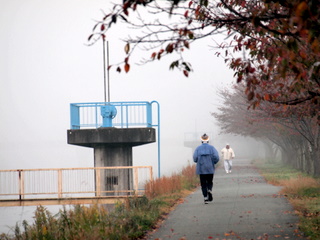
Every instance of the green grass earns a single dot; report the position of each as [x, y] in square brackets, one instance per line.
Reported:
[276, 172]
[310, 192]
[302, 191]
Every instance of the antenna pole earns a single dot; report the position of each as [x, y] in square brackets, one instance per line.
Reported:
[104, 69]
[108, 71]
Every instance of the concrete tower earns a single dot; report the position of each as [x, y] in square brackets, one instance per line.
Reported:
[112, 130]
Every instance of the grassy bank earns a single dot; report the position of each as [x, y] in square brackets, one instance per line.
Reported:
[302, 191]
[129, 220]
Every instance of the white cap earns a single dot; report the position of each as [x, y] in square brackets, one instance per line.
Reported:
[204, 138]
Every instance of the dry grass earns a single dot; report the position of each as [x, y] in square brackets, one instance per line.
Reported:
[294, 186]
[189, 171]
[187, 179]
[163, 185]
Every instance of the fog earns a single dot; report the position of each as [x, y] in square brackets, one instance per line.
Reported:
[45, 65]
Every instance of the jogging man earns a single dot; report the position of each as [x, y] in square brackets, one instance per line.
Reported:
[206, 156]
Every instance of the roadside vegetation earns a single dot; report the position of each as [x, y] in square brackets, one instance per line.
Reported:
[136, 216]
[131, 219]
[302, 190]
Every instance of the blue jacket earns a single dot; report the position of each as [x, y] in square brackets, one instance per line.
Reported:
[206, 156]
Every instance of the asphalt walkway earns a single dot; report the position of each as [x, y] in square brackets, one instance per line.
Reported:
[244, 207]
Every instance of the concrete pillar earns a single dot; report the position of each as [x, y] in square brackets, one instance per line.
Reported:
[105, 156]
[118, 179]
[113, 147]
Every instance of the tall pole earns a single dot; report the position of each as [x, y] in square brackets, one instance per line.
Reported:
[104, 70]
[108, 71]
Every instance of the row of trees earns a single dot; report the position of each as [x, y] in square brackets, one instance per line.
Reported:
[296, 137]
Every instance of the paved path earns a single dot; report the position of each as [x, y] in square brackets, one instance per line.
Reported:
[244, 207]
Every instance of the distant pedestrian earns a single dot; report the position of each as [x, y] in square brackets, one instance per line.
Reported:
[227, 155]
[206, 156]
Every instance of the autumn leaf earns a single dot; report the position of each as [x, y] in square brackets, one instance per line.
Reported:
[114, 18]
[267, 97]
[301, 8]
[239, 79]
[153, 55]
[159, 54]
[169, 48]
[126, 67]
[127, 48]
[174, 64]
[186, 44]
[186, 66]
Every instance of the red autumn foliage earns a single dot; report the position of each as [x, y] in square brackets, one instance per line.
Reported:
[280, 41]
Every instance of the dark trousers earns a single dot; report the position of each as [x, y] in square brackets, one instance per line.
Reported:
[206, 181]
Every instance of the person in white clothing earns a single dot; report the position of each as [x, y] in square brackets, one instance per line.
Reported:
[227, 155]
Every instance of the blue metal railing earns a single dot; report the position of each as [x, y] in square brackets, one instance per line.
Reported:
[128, 114]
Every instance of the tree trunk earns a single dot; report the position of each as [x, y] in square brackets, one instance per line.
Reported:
[315, 155]
[270, 153]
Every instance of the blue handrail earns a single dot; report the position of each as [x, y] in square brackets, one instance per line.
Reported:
[129, 114]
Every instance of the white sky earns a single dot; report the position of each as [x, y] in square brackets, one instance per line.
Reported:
[45, 65]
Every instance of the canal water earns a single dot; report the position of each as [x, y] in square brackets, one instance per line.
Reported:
[10, 216]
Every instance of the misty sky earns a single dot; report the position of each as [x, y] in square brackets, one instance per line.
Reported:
[45, 65]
